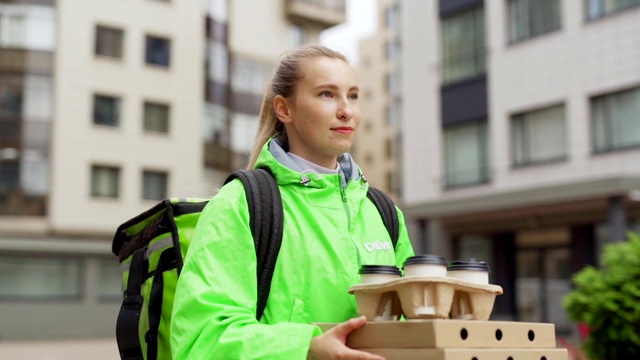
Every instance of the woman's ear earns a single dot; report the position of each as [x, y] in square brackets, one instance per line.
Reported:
[282, 109]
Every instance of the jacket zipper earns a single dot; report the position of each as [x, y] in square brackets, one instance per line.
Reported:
[347, 210]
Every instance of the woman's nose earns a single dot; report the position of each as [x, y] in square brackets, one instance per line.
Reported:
[345, 111]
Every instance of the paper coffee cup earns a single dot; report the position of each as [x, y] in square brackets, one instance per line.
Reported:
[425, 265]
[376, 274]
[473, 271]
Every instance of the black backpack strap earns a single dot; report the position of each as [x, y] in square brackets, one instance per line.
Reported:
[388, 211]
[166, 262]
[129, 316]
[266, 221]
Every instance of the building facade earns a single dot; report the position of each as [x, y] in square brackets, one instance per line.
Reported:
[106, 108]
[521, 133]
[241, 61]
[377, 147]
[100, 107]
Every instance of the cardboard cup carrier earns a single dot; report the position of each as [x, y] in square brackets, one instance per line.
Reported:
[447, 307]
[431, 288]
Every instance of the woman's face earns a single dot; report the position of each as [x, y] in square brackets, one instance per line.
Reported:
[323, 114]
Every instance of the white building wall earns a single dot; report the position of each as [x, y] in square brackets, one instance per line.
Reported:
[78, 143]
[421, 101]
[582, 59]
[568, 66]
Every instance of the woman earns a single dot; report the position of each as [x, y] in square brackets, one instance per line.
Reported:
[308, 119]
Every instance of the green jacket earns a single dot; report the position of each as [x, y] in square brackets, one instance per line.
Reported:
[328, 233]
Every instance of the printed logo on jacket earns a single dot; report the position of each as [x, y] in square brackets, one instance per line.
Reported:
[377, 246]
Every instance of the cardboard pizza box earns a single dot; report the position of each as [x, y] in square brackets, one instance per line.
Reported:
[471, 354]
[448, 333]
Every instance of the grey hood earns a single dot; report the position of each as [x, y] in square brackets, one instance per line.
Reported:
[348, 168]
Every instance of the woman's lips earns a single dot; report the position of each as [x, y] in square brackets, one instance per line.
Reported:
[343, 130]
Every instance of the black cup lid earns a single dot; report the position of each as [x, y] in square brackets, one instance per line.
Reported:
[472, 265]
[379, 269]
[426, 259]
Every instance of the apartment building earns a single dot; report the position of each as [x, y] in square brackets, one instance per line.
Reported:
[107, 107]
[244, 47]
[377, 146]
[521, 138]
[100, 109]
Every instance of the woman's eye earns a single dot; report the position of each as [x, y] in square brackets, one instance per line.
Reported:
[325, 93]
[353, 96]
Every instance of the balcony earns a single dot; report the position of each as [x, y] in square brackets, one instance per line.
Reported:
[322, 13]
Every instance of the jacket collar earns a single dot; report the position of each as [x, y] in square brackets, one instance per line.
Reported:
[274, 157]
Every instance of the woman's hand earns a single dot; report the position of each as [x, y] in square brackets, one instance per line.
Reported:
[332, 344]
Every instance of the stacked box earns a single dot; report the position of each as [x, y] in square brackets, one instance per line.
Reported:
[447, 319]
[447, 339]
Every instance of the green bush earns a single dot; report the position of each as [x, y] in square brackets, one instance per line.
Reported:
[607, 300]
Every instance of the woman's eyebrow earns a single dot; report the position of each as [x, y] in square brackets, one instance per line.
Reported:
[335, 87]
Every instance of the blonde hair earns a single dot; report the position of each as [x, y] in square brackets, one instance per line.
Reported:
[283, 83]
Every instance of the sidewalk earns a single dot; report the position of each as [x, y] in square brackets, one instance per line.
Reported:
[95, 349]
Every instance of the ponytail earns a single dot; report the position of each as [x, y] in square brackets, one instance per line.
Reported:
[268, 126]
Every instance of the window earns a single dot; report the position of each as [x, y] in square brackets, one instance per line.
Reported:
[154, 185]
[392, 83]
[215, 124]
[616, 120]
[16, 30]
[539, 136]
[9, 172]
[26, 26]
[105, 181]
[391, 17]
[391, 118]
[391, 50]
[393, 115]
[250, 75]
[106, 110]
[218, 59]
[158, 51]
[11, 101]
[600, 8]
[36, 135]
[110, 280]
[529, 18]
[466, 160]
[156, 117]
[34, 173]
[40, 278]
[463, 45]
[38, 98]
[109, 41]
[10, 136]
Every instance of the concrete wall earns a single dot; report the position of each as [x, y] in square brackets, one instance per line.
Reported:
[79, 73]
[582, 59]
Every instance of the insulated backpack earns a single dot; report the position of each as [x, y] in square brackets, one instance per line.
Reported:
[151, 248]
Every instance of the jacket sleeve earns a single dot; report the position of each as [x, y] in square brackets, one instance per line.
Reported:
[404, 249]
[215, 303]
